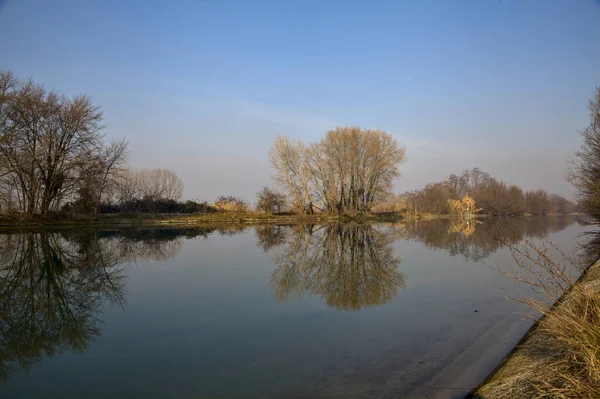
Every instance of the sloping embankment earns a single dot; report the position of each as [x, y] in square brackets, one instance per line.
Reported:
[534, 360]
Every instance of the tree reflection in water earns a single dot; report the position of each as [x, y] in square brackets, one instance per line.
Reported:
[351, 266]
[478, 239]
[50, 291]
[53, 286]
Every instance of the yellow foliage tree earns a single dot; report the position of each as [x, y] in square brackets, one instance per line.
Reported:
[464, 207]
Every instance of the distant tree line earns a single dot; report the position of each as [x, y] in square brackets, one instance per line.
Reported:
[145, 191]
[148, 191]
[491, 197]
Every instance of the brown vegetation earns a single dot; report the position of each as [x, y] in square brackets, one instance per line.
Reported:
[491, 196]
[231, 203]
[463, 208]
[55, 162]
[52, 149]
[561, 357]
[476, 239]
[345, 173]
[270, 201]
[585, 166]
[390, 204]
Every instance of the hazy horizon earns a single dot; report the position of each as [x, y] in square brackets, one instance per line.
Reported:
[203, 88]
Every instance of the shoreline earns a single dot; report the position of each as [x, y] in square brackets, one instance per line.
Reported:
[221, 218]
[507, 377]
[194, 220]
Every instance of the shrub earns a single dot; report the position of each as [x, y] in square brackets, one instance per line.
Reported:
[270, 201]
[164, 206]
[395, 203]
[198, 207]
[231, 203]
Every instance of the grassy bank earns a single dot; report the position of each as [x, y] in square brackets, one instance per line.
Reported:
[560, 356]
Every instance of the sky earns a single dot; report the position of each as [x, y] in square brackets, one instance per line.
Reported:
[204, 87]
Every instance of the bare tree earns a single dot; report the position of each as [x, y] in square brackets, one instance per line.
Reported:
[270, 201]
[49, 145]
[112, 162]
[7, 91]
[100, 177]
[148, 185]
[433, 198]
[346, 172]
[560, 205]
[172, 186]
[126, 188]
[159, 184]
[537, 202]
[292, 172]
[585, 165]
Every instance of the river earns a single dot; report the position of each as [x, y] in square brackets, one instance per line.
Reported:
[401, 310]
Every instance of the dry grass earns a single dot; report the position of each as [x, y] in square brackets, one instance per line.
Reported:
[575, 331]
[560, 358]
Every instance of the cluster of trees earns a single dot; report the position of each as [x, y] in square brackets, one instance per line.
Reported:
[148, 190]
[149, 183]
[54, 157]
[490, 196]
[346, 172]
[52, 149]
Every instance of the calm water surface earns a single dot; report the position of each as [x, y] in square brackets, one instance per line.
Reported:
[331, 311]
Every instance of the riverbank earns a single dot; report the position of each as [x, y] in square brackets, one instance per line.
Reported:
[110, 220]
[559, 356]
[201, 219]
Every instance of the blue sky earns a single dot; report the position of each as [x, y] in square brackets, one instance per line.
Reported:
[203, 87]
